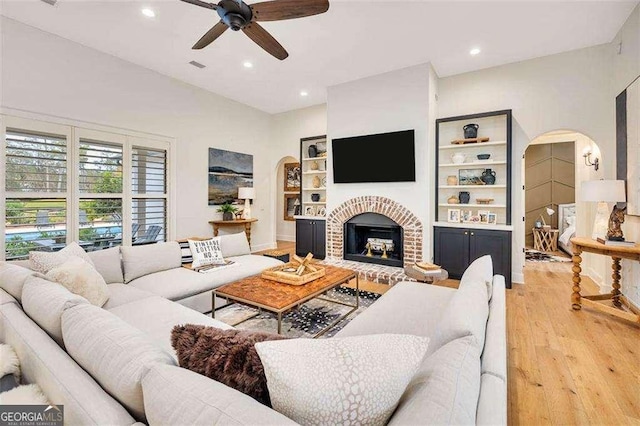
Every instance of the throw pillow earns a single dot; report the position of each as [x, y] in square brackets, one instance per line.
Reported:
[185, 252]
[80, 278]
[43, 262]
[481, 270]
[341, 380]
[227, 356]
[207, 252]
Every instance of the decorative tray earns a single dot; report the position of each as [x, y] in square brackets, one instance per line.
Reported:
[466, 141]
[297, 272]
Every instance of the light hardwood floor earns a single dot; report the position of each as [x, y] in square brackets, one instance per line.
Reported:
[564, 366]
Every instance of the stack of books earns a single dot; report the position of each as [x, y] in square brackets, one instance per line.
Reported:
[613, 243]
[210, 268]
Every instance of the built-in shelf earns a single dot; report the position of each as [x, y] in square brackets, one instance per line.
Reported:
[316, 203]
[473, 145]
[482, 206]
[472, 186]
[498, 227]
[315, 172]
[474, 163]
[314, 159]
[314, 189]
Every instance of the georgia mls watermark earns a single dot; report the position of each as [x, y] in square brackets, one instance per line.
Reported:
[31, 415]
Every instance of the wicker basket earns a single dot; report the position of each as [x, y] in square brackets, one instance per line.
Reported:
[276, 274]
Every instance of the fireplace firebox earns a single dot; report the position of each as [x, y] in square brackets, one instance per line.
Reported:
[373, 238]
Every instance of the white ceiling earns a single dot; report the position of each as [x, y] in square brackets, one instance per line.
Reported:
[355, 39]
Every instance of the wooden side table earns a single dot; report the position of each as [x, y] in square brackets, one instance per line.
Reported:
[545, 239]
[217, 224]
[617, 254]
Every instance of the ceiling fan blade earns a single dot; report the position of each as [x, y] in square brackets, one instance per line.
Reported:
[201, 3]
[278, 10]
[211, 35]
[265, 40]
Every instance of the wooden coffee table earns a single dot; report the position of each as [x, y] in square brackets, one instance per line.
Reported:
[279, 298]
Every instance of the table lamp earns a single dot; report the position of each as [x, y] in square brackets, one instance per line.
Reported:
[550, 212]
[248, 195]
[603, 192]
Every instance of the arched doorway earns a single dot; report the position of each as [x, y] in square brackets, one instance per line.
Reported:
[554, 165]
[287, 191]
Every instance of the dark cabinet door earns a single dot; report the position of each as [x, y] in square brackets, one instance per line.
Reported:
[304, 237]
[497, 244]
[320, 239]
[452, 250]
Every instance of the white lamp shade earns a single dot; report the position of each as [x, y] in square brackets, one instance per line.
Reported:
[246, 193]
[603, 191]
[550, 211]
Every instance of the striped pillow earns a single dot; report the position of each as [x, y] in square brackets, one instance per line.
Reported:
[187, 257]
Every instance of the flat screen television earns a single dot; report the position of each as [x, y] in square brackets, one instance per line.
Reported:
[386, 157]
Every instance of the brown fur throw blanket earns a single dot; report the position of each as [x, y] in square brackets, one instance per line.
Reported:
[227, 356]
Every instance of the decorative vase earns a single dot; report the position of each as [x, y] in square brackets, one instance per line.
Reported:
[316, 182]
[453, 200]
[227, 216]
[314, 165]
[470, 131]
[323, 165]
[464, 197]
[452, 180]
[458, 158]
[489, 177]
[315, 197]
[313, 151]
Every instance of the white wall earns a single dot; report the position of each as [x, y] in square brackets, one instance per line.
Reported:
[287, 130]
[566, 91]
[626, 67]
[388, 102]
[46, 74]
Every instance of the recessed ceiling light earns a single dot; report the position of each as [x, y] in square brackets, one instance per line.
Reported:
[148, 13]
[474, 51]
[303, 93]
[247, 64]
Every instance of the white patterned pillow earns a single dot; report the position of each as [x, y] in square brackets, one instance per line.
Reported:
[207, 252]
[341, 380]
[80, 278]
[43, 262]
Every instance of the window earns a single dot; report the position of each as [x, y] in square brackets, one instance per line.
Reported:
[65, 183]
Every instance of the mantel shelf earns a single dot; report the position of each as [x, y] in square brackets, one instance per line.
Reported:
[474, 145]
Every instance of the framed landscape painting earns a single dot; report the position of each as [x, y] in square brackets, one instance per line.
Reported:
[228, 171]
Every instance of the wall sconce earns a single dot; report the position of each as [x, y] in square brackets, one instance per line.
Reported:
[587, 159]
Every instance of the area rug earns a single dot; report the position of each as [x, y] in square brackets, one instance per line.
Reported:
[538, 256]
[306, 321]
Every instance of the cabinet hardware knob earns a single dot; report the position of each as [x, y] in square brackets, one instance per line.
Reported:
[472, 233]
[466, 233]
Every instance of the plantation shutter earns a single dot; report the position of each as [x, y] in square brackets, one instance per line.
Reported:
[149, 189]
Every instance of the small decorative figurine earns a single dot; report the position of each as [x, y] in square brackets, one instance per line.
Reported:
[615, 220]
[384, 251]
[368, 246]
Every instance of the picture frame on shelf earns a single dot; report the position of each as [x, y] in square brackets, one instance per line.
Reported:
[310, 211]
[453, 215]
[322, 211]
[484, 216]
[290, 206]
[470, 177]
[292, 177]
[492, 218]
[466, 216]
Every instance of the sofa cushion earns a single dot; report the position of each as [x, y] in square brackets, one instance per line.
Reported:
[43, 262]
[13, 277]
[156, 317]
[480, 269]
[235, 245]
[445, 389]
[227, 356]
[175, 396]
[60, 377]
[411, 308]
[334, 381]
[108, 264]
[6, 298]
[489, 412]
[494, 354]
[179, 283]
[466, 314]
[121, 294]
[116, 354]
[45, 301]
[79, 277]
[139, 261]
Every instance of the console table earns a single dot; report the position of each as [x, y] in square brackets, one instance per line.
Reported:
[217, 224]
[617, 254]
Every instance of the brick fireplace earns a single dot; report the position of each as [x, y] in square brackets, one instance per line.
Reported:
[411, 225]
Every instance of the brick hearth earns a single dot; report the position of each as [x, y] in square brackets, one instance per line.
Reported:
[372, 272]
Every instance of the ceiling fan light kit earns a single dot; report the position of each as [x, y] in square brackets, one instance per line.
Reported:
[238, 15]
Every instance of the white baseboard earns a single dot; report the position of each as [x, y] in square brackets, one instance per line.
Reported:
[598, 279]
[289, 238]
[262, 247]
[517, 278]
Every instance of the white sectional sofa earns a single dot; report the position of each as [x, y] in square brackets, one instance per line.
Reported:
[114, 365]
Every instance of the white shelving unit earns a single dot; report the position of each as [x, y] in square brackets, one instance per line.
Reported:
[314, 177]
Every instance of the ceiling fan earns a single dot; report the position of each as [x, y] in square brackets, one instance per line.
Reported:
[238, 15]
